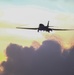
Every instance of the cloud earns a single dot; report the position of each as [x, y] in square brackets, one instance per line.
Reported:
[35, 44]
[70, 62]
[48, 59]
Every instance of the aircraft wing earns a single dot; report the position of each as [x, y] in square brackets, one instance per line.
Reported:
[26, 28]
[62, 29]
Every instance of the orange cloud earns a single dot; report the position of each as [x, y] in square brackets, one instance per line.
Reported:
[64, 41]
[36, 44]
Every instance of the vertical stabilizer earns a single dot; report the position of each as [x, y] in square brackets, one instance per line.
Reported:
[48, 24]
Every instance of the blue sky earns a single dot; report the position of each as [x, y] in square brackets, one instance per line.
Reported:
[60, 5]
[60, 8]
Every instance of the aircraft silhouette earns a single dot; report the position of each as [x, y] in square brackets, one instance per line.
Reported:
[47, 28]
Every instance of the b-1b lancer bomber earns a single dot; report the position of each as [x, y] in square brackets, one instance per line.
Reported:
[47, 28]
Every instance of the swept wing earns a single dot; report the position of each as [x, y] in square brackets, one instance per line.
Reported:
[62, 29]
[26, 28]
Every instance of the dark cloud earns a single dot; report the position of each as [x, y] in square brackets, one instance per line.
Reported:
[70, 62]
[48, 59]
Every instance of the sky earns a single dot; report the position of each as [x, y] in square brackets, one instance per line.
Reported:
[30, 13]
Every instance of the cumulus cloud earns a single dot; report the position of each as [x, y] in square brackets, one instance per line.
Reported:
[48, 59]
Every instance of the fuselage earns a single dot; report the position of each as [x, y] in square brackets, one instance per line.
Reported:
[44, 28]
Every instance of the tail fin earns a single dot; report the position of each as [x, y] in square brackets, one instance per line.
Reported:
[48, 24]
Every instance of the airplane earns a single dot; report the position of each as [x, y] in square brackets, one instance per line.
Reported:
[47, 28]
